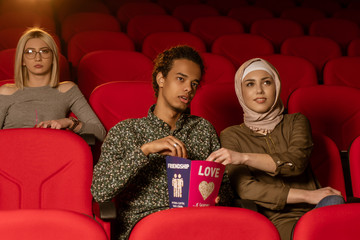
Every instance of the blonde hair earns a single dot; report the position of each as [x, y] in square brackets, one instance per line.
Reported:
[21, 74]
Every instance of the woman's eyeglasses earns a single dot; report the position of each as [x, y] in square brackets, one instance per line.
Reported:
[44, 53]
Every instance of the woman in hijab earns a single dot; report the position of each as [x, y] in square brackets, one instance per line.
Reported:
[268, 155]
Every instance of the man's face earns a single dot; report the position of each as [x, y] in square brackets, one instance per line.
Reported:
[179, 87]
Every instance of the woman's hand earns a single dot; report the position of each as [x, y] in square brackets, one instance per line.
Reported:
[226, 156]
[315, 196]
[166, 146]
[310, 196]
[56, 124]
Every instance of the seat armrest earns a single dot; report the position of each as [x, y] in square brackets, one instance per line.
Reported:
[105, 210]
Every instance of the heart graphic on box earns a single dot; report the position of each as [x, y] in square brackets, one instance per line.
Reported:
[206, 189]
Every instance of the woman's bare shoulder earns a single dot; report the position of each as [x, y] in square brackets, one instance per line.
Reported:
[8, 89]
[65, 86]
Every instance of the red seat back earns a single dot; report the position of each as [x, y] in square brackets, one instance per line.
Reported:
[276, 30]
[87, 21]
[239, 48]
[354, 160]
[218, 69]
[341, 31]
[317, 50]
[48, 224]
[141, 26]
[156, 43]
[353, 49]
[90, 41]
[45, 169]
[332, 110]
[331, 222]
[341, 71]
[100, 67]
[210, 28]
[326, 163]
[218, 104]
[205, 223]
[116, 101]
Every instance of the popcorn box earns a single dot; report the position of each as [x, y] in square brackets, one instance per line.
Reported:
[193, 183]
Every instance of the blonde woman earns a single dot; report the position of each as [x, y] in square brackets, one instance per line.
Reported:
[37, 99]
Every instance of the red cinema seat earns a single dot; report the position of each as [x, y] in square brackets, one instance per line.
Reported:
[218, 69]
[218, 104]
[277, 30]
[90, 41]
[45, 169]
[331, 222]
[48, 224]
[131, 9]
[7, 61]
[249, 14]
[239, 48]
[303, 15]
[295, 72]
[205, 223]
[2, 82]
[141, 26]
[353, 49]
[211, 28]
[82, 22]
[317, 50]
[100, 67]
[354, 161]
[341, 72]
[116, 101]
[156, 43]
[331, 110]
[326, 163]
[186, 13]
[341, 31]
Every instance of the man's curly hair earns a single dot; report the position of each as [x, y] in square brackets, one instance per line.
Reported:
[164, 61]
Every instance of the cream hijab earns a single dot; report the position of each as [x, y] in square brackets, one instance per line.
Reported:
[267, 121]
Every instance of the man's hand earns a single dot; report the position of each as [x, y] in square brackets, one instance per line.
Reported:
[166, 146]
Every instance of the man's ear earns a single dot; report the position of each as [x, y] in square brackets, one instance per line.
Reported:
[160, 79]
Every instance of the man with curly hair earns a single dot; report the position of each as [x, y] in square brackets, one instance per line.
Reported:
[132, 164]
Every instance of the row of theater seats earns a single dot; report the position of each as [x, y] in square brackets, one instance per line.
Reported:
[208, 28]
[50, 183]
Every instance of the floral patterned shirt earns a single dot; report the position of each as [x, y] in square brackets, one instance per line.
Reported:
[139, 182]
